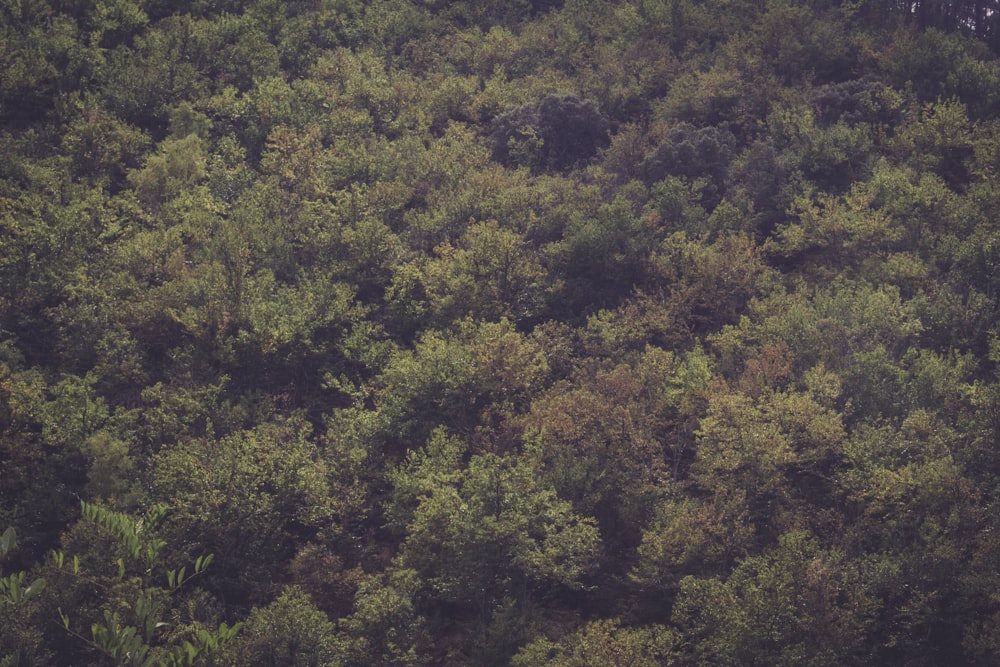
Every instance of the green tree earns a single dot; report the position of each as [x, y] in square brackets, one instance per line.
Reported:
[488, 536]
[916, 515]
[251, 498]
[779, 448]
[604, 642]
[20, 639]
[600, 438]
[289, 631]
[493, 273]
[558, 132]
[797, 604]
[386, 627]
[118, 580]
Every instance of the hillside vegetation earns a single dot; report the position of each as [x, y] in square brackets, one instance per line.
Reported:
[497, 332]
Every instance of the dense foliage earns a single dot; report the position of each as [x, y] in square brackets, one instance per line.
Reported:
[412, 332]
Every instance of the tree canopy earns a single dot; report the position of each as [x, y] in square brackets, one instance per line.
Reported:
[562, 332]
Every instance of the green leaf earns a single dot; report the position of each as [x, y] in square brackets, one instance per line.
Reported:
[14, 586]
[201, 563]
[36, 587]
[8, 541]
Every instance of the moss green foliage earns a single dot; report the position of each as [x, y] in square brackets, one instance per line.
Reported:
[418, 332]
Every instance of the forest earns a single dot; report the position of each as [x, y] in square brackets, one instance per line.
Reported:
[541, 333]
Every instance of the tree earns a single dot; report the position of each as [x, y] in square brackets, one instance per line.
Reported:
[780, 448]
[487, 535]
[493, 273]
[603, 642]
[557, 132]
[907, 481]
[603, 254]
[19, 639]
[470, 382]
[290, 631]
[797, 604]
[611, 436]
[117, 579]
[386, 627]
[251, 498]
[693, 152]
